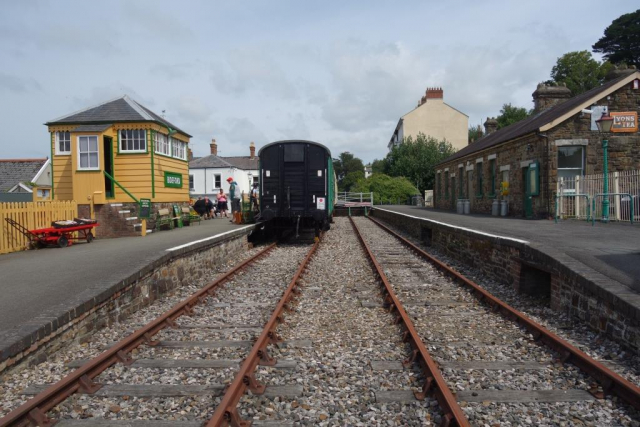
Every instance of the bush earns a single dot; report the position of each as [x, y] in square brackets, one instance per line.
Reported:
[386, 189]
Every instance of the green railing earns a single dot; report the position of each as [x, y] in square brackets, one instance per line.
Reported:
[558, 197]
[593, 217]
[119, 185]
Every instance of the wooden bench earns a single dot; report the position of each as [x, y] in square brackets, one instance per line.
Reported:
[163, 217]
[189, 216]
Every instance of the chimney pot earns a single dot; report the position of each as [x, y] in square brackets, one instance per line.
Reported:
[252, 150]
[546, 96]
[214, 147]
[490, 125]
[435, 93]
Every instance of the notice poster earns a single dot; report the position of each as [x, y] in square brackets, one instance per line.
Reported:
[320, 203]
[625, 122]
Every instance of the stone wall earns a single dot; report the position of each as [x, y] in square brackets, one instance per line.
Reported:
[161, 277]
[513, 263]
[516, 154]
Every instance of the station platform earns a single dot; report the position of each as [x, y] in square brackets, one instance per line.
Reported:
[41, 285]
[612, 249]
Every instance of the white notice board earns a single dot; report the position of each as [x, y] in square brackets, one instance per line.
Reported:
[320, 203]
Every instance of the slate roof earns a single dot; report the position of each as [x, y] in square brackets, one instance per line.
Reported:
[209, 161]
[123, 109]
[243, 162]
[537, 121]
[92, 128]
[14, 171]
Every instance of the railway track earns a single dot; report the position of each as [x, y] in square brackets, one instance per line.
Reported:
[313, 335]
[502, 367]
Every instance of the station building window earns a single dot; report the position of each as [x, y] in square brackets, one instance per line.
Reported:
[461, 182]
[492, 175]
[63, 143]
[570, 161]
[446, 184]
[479, 179]
[133, 140]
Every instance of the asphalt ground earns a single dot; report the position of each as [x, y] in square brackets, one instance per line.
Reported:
[40, 284]
[611, 249]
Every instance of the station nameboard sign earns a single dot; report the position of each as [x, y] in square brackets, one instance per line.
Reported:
[173, 180]
[625, 122]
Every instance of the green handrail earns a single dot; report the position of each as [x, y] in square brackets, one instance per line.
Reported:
[631, 214]
[119, 185]
[573, 195]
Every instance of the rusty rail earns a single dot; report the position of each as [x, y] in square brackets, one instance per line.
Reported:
[226, 413]
[434, 382]
[34, 411]
[609, 380]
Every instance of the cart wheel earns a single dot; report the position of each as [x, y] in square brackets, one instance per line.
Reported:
[63, 242]
[89, 237]
[37, 244]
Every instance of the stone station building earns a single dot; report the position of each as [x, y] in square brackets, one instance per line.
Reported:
[559, 139]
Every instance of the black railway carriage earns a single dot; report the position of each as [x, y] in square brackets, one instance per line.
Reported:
[297, 184]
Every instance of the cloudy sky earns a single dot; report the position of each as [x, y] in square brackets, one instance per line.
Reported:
[337, 72]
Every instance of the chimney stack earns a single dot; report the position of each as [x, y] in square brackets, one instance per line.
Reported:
[431, 93]
[490, 125]
[214, 147]
[190, 154]
[252, 150]
[547, 96]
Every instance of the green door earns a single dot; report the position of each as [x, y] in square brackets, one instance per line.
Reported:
[531, 187]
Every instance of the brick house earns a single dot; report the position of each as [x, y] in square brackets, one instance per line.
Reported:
[557, 140]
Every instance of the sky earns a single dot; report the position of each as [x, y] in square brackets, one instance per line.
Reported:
[337, 72]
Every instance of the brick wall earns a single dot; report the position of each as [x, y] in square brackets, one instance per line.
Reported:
[624, 154]
[122, 299]
[511, 263]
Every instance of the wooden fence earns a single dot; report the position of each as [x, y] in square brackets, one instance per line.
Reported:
[591, 185]
[31, 215]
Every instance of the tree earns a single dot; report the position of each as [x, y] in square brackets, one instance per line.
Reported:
[621, 40]
[378, 166]
[475, 133]
[416, 160]
[579, 71]
[510, 115]
[345, 165]
[386, 189]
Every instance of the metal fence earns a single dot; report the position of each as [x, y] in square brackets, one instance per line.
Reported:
[576, 196]
[348, 199]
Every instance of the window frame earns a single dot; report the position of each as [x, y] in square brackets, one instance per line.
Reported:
[133, 151]
[57, 142]
[89, 168]
[461, 184]
[179, 143]
[446, 185]
[479, 180]
[492, 172]
[156, 144]
[191, 182]
[219, 176]
[581, 169]
[438, 179]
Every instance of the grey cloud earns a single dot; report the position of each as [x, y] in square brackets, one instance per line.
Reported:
[170, 71]
[18, 84]
[236, 135]
[296, 128]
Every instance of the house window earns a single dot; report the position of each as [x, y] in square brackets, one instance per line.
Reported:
[88, 152]
[570, 161]
[178, 149]
[461, 183]
[492, 171]
[191, 188]
[479, 179]
[162, 144]
[438, 185]
[63, 143]
[217, 181]
[133, 140]
[446, 184]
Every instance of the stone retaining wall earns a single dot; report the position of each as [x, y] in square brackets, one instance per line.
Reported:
[123, 299]
[571, 287]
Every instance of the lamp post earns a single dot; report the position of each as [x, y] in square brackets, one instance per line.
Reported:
[604, 126]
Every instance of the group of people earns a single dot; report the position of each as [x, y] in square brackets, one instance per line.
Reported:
[206, 208]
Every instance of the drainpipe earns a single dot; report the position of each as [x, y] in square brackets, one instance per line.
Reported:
[547, 174]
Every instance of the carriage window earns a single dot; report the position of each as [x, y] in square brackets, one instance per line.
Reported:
[294, 153]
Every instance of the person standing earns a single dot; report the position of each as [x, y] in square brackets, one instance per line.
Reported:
[222, 204]
[254, 198]
[234, 195]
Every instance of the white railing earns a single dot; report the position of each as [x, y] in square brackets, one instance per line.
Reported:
[354, 199]
[570, 206]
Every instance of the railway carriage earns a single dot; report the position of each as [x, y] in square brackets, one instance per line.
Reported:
[297, 185]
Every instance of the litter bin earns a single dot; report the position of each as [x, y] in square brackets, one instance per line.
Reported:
[460, 207]
[467, 207]
[495, 207]
[504, 208]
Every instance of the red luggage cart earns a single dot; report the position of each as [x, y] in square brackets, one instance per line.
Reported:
[55, 236]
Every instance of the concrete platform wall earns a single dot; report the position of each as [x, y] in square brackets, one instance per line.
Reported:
[529, 270]
[123, 299]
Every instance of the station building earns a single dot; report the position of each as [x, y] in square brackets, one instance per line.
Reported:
[114, 154]
[557, 140]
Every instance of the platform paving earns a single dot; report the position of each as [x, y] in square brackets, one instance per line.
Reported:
[612, 249]
[37, 286]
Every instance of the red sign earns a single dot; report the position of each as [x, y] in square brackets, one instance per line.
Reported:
[625, 122]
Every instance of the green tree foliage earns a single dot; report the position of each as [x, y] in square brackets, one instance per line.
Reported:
[510, 115]
[579, 71]
[386, 189]
[378, 166]
[475, 133]
[416, 160]
[348, 170]
[621, 40]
